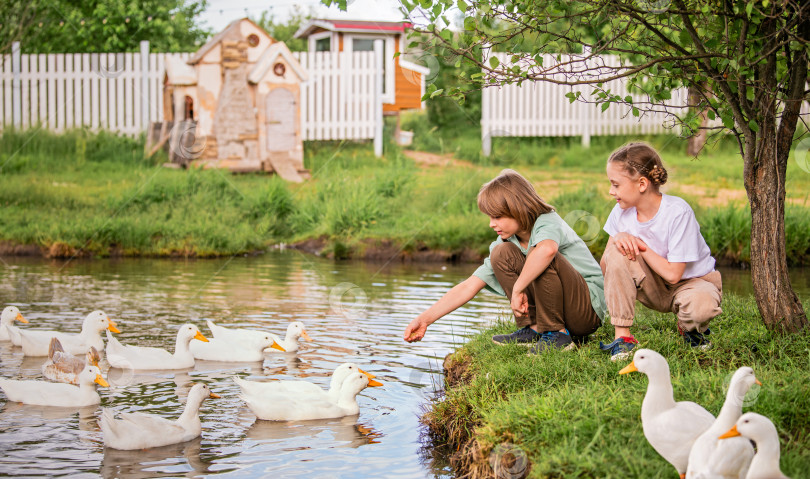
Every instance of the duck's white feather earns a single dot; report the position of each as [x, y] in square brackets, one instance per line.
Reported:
[142, 357]
[36, 343]
[295, 330]
[9, 332]
[43, 393]
[245, 350]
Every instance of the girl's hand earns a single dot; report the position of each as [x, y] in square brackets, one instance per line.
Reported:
[629, 245]
[520, 304]
[416, 330]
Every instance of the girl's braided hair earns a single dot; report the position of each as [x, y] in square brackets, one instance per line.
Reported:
[639, 158]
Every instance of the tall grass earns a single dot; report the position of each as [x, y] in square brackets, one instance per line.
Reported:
[575, 416]
[94, 193]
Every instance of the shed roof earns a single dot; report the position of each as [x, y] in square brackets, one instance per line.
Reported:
[356, 26]
[199, 54]
[268, 59]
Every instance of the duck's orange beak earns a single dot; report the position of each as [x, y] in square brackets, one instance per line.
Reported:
[214, 396]
[373, 383]
[368, 375]
[733, 432]
[100, 380]
[275, 345]
[113, 327]
[200, 336]
[758, 383]
[305, 335]
[629, 368]
[20, 318]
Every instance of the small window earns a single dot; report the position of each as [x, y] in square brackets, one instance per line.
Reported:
[323, 44]
[253, 39]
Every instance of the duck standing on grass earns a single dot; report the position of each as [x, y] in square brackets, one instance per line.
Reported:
[140, 357]
[295, 331]
[729, 459]
[43, 393]
[760, 429]
[295, 407]
[9, 332]
[670, 427]
[138, 430]
[37, 343]
[65, 368]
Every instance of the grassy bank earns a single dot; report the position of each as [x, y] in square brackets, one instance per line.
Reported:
[573, 415]
[96, 194]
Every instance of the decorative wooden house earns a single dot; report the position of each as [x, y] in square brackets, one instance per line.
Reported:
[235, 104]
[403, 81]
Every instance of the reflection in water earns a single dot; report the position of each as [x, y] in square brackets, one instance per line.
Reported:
[353, 311]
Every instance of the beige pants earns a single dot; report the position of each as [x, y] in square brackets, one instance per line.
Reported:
[695, 301]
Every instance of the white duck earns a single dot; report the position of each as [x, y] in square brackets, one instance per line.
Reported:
[728, 459]
[290, 342]
[244, 350]
[43, 393]
[9, 332]
[141, 357]
[65, 368]
[36, 343]
[302, 388]
[761, 430]
[141, 431]
[281, 407]
[670, 427]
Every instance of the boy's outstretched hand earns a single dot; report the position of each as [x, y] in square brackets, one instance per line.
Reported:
[415, 331]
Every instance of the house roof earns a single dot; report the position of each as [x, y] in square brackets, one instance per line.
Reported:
[214, 41]
[178, 72]
[355, 26]
[268, 59]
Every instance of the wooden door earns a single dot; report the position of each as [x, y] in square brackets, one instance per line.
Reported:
[280, 111]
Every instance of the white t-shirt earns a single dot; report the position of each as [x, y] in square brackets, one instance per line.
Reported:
[673, 233]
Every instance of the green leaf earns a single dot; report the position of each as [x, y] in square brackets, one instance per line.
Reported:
[469, 23]
[628, 99]
[710, 114]
[494, 62]
[437, 93]
[749, 7]
[753, 126]
[605, 106]
[462, 5]
[635, 111]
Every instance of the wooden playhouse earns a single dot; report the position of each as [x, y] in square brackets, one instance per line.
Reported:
[235, 104]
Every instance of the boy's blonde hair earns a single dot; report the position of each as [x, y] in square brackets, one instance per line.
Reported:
[510, 194]
[640, 159]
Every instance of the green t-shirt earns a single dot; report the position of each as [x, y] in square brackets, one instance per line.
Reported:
[551, 227]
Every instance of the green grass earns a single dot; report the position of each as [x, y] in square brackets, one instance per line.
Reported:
[95, 194]
[575, 416]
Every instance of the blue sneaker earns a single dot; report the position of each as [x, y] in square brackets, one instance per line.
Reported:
[552, 340]
[620, 348]
[697, 340]
[525, 336]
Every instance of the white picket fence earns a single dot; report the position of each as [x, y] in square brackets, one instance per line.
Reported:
[123, 92]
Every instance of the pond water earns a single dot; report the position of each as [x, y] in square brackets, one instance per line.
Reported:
[354, 312]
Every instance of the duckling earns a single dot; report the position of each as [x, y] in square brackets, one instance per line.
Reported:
[65, 368]
[670, 427]
[141, 431]
[37, 343]
[43, 393]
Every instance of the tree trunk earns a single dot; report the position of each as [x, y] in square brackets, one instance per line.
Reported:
[778, 305]
[698, 140]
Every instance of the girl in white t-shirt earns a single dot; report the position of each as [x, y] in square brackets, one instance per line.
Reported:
[655, 254]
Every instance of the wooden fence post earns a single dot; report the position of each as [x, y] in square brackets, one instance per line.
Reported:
[378, 116]
[145, 85]
[16, 85]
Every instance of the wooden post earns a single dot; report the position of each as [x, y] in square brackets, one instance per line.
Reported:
[378, 107]
[144, 85]
[16, 108]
